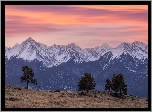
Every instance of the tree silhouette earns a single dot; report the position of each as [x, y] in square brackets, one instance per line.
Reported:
[108, 85]
[117, 84]
[86, 83]
[28, 76]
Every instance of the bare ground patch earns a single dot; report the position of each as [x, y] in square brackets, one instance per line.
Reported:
[16, 97]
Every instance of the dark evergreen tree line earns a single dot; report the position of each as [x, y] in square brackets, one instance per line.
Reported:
[86, 82]
[117, 84]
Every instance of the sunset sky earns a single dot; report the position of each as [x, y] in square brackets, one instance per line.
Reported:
[87, 26]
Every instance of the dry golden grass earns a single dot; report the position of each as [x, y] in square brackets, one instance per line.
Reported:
[16, 97]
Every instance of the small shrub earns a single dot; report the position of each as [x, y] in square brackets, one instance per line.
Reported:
[57, 91]
[12, 99]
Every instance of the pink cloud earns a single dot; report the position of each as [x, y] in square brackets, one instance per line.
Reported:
[84, 26]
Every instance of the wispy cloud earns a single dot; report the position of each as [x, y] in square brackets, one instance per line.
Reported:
[81, 24]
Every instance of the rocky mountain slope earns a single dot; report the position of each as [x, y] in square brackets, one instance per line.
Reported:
[61, 67]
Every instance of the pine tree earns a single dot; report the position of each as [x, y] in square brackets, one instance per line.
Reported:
[28, 76]
[86, 83]
[117, 84]
[108, 85]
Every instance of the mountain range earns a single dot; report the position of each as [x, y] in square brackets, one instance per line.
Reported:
[61, 66]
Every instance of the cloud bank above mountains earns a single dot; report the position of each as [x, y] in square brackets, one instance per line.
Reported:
[87, 26]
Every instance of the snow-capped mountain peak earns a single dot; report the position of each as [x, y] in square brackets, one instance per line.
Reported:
[141, 45]
[106, 45]
[15, 45]
[72, 45]
[30, 39]
[57, 54]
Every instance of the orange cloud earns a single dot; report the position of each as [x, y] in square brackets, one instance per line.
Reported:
[115, 7]
[74, 20]
[78, 18]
